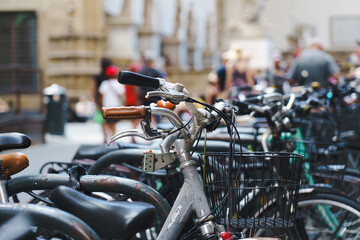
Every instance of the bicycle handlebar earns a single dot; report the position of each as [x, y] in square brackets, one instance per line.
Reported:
[135, 79]
[172, 92]
[251, 106]
[255, 99]
[250, 103]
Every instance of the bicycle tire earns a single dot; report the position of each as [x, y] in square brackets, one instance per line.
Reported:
[316, 225]
[309, 224]
[346, 181]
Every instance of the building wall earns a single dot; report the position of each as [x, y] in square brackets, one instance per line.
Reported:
[282, 17]
[74, 35]
[70, 40]
[39, 7]
[76, 42]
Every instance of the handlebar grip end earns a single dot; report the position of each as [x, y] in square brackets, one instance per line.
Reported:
[120, 77]
[135, 79]
[243, 105]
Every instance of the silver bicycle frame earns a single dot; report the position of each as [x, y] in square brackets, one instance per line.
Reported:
[191, 197]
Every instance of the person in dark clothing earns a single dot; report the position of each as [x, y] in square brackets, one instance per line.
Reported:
[240, 78]
[99, 78]
[221, 75]
[314, 65]
[353, 62]
[276, 73]
[221, 72]
[148, 70]
[212, 89]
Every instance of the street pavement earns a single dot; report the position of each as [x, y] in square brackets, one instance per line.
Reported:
[62, 148]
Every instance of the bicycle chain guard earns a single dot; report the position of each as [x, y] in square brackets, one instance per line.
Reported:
[152, 162]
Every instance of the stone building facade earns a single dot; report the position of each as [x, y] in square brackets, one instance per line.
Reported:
[71, 37]
[62, 41]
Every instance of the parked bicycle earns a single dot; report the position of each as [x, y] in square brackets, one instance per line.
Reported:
[330, 219]
[47, 222]
[192, 197]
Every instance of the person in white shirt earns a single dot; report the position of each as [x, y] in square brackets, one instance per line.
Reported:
[112, 94]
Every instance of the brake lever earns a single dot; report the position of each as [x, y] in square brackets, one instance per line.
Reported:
[145, 125]
[134, 133]
[174, 97]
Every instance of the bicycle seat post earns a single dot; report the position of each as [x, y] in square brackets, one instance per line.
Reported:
[10, 164]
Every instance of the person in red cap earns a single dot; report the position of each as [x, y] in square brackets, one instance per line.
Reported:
[132, 95]
[132, 91]
[112, 95]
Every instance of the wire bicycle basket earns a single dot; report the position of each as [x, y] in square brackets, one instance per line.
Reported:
[324, 162]
[252, 190]
[317, 152]
[317, 126]
[320, 154]
[350, 120]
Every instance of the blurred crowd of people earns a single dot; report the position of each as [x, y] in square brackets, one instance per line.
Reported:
[235, 78]
[107, 91]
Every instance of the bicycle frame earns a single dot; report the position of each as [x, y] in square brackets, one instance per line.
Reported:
[190, 198]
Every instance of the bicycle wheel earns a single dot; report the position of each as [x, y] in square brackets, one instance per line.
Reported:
[320, 216]
[326, 216]
[346, 181]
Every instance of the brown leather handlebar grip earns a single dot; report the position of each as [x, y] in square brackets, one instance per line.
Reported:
[123, 112]
[13, 163]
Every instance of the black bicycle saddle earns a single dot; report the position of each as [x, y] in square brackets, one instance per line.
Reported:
[14, 140]
[109, 219]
